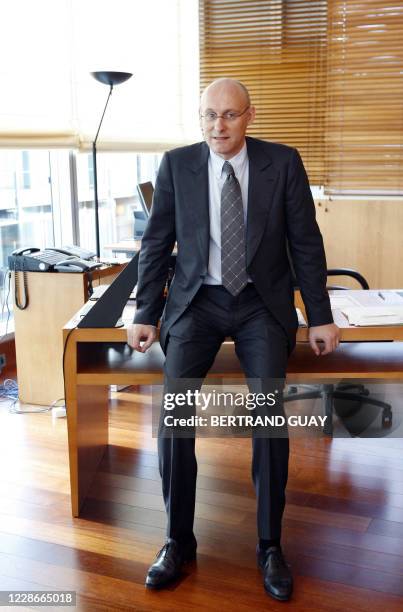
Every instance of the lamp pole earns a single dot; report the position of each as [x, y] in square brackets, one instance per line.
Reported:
[111, 79]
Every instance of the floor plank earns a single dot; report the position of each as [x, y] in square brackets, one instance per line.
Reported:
[342, 526]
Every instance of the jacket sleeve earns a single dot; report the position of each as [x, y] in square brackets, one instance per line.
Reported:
[306, 244]
[156, 247]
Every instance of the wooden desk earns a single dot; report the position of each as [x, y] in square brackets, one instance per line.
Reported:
[53, 298]
[126, 247]
[91, 365]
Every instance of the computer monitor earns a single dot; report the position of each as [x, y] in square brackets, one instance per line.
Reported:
[140, 223]
[146, 192]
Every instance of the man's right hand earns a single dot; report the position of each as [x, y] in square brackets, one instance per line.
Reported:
[137, 333]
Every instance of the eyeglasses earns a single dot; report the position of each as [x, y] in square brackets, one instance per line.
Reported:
[211, 116]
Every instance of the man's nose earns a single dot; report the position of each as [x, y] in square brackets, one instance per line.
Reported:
[219, 124]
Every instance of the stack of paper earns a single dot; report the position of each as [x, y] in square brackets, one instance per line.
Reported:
[341, 300]
[301, 318]
[374, 315]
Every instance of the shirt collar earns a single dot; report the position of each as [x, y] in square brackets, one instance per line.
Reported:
[236, 162]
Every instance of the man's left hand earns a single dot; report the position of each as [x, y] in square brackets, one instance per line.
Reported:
[328, 334]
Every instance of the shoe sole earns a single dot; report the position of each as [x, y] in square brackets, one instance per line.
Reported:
[156, 587]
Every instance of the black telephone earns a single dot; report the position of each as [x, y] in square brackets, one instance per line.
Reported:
[32, 259]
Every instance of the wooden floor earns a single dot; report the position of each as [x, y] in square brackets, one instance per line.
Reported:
[343, 527]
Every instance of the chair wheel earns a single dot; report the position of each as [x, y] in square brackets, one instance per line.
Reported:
[387, 418]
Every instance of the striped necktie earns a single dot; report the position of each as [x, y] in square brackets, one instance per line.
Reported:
[233, 251]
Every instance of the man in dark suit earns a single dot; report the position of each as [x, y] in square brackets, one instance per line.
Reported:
[231, 204]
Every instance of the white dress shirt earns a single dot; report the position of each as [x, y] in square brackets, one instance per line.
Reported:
[216, 179]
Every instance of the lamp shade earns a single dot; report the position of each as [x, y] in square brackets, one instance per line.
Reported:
[108, 77]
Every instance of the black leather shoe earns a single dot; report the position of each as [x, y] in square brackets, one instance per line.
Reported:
[276, 572]
[168, 564]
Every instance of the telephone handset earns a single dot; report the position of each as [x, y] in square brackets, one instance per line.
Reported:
[25, 251]
[74, 264]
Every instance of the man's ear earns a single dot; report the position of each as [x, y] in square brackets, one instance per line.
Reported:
[201, 123]
[252, 115]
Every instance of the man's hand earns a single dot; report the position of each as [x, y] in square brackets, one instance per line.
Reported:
[137, 333]
[328, 334]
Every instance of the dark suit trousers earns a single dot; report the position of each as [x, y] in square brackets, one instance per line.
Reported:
[262, 349]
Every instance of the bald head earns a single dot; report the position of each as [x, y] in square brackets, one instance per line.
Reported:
[225, 113]
[227, 86]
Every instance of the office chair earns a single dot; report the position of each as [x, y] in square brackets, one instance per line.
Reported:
[351, 392]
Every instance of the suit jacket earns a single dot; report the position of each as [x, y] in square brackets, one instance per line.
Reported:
[280, 211]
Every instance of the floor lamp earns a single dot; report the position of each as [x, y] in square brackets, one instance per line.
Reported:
[111, 79]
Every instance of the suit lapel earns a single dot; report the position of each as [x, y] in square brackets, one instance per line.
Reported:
[197, 169]
[262, 182]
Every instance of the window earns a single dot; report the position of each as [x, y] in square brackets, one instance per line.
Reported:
[153, 111]
[26, 179]
[43, 214]
[118, 176]
[326, 76]
[35, 204]
[47, 124]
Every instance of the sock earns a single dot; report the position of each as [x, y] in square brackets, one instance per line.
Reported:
[265, 544]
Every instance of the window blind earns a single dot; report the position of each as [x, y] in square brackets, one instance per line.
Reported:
[278, 50]
[364, 115]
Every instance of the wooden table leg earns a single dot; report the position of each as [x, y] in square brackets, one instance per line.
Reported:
[88, 438]
[87, 426]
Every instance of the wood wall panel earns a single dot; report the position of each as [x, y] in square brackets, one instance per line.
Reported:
[366, 235]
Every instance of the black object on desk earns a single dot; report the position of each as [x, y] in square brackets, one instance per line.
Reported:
[109, 307]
